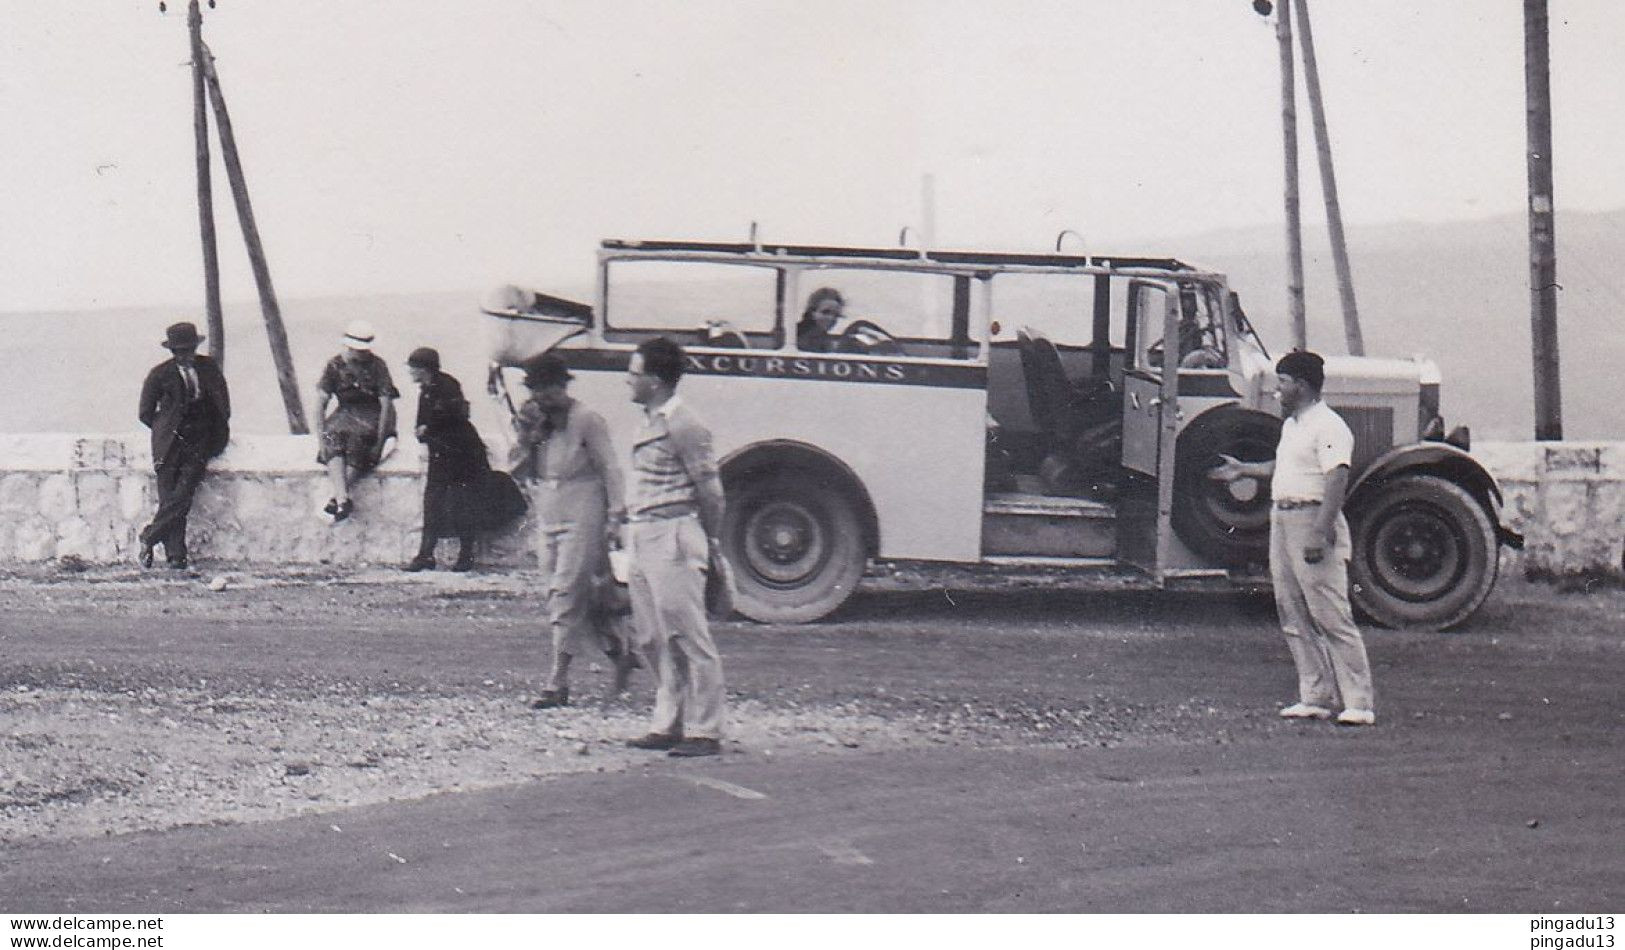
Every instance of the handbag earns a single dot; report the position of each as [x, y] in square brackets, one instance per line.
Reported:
[504, 500]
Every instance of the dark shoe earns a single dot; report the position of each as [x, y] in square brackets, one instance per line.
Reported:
[332, 507]
[694, 748]
[658, 741]
[343, 510]
[179, 564]
[423, 562]
[463, 566]
[551, 699]
[145, 557]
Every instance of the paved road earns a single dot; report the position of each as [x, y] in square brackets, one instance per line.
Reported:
[1493, 782]
[1331, 823]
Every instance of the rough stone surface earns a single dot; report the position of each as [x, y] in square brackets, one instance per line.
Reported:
[65, 495]
[1568, 501]
[87, 497]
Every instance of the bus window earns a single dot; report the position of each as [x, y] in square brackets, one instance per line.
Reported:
[1061, 307]
[695, 302]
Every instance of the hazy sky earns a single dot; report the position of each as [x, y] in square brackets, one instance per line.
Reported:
[428, 146]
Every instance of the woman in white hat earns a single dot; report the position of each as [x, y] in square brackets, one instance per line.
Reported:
[352, 436]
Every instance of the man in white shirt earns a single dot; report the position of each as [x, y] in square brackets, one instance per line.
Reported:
[1310, 547]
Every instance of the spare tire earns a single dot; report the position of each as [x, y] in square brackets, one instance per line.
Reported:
[1227, 522]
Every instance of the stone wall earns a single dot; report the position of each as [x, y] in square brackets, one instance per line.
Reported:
[87, 497]
[1568, 501]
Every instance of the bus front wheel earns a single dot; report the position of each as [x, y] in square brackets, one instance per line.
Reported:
[796, 547]
[1425, 553]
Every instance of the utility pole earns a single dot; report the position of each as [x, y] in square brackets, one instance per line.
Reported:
[1328, 183]
[1542, 223]
[256, 253]
[1289, 140]
[205, 198]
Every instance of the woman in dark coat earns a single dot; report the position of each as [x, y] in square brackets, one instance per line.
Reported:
[453, 500]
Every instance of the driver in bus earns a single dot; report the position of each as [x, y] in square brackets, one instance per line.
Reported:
[1197, 349]
[1197, 346]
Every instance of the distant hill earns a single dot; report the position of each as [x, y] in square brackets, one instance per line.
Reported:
[1459, 294]
[1455, 292]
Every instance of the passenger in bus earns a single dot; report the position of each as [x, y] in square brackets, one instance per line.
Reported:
[815, 331]
[823, 328]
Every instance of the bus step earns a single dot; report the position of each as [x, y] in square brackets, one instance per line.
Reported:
[1041, 526]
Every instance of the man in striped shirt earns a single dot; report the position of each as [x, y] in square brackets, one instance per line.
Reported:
[674, 515]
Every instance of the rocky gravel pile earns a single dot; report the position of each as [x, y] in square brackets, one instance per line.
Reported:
[81, 762]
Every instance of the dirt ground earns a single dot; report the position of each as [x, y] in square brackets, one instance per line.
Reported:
[139, 712]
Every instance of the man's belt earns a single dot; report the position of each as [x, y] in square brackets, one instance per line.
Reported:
[557, 480]
[679, 509]
[1293, 504]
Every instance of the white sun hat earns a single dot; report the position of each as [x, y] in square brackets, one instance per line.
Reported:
[358, 335]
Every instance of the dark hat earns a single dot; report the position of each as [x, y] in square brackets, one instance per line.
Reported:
[424, 357]
[546, 370]
[181, 336]
[1304, 366]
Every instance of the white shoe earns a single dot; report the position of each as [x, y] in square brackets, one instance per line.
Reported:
[1305, 711]
[1356, 717]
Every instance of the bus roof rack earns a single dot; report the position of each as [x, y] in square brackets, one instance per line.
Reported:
[991, 258]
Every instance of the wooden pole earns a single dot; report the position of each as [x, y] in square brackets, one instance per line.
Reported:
[1542, 223]
[1289, 140]
[1328, 184]
[205, 197]
[256, 254]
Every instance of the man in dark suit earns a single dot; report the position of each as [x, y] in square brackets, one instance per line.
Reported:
[186, 405]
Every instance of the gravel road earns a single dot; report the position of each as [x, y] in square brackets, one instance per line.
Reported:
[135, 702]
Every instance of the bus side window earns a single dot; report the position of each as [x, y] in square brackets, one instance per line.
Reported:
[697, 303]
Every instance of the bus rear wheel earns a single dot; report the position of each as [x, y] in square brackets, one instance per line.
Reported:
[796, 547]
[1425, 553]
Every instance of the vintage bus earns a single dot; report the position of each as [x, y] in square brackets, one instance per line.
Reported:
[1006, 409]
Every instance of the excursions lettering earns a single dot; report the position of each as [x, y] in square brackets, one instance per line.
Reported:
[801, 367]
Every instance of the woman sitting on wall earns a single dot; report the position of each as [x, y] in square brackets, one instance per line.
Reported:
[353, 436]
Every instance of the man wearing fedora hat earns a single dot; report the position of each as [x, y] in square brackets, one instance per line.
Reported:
[185, 403]
[562, 448]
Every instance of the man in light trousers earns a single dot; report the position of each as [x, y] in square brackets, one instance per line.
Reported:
[1310, 547]
[674, 514]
